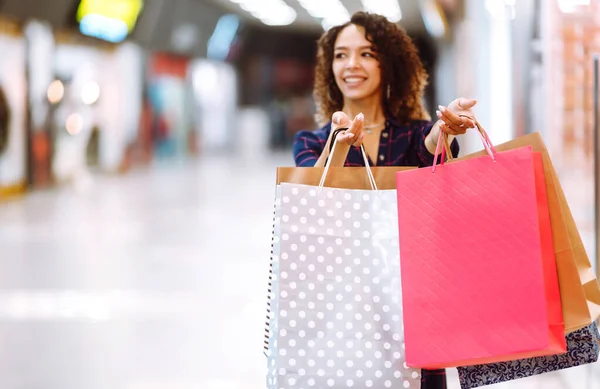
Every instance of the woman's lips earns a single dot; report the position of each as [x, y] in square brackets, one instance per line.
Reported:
[354, 80]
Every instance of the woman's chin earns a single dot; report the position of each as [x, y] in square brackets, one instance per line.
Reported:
[357, 96]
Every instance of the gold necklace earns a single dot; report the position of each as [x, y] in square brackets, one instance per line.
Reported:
[369, 129]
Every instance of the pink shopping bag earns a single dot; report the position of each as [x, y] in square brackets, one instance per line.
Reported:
[478, 271]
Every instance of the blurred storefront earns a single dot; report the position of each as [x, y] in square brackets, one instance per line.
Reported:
[97, 116]
[169, 96]
[277, 77]
[214, 105]
[40, 53]
[570, 37]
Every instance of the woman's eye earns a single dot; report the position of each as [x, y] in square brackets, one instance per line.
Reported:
[370, 55]
[340, 55]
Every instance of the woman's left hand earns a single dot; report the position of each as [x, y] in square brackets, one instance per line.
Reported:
[451, 121]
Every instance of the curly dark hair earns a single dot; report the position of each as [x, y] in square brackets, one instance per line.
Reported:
[401, 70]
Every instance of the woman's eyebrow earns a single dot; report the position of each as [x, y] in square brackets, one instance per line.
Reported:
[370, 47]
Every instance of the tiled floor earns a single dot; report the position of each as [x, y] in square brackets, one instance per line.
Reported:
[151, 280]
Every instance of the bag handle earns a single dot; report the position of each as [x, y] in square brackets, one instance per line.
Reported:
[365, 158]
[445, 147]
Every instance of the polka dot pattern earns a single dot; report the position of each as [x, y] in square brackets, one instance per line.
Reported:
[339, 286]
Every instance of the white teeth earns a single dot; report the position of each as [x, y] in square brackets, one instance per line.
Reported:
[354, 79]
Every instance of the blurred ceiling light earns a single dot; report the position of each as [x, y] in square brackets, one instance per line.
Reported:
[74, 124]
[270, 12]
[90, 93]
[332, 12]
[569, 6]
[388, 8]
[325, 9]
[56, 91]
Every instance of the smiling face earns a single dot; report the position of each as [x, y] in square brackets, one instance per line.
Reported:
[355, 66]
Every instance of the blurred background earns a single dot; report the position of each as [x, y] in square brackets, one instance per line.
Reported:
[138, 146]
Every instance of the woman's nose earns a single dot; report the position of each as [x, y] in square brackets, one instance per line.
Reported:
[352, 61]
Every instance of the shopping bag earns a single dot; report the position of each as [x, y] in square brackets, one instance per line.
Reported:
[579, 289]
[271, 323]
[341, 177]
[580, 306]
[474, 262]
[272, 327]
[580, 292]
[582, 348]
[339, 314]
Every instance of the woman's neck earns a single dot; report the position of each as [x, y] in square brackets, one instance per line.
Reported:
[373, 112]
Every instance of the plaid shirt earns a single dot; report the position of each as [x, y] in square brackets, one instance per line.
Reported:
[399, 145]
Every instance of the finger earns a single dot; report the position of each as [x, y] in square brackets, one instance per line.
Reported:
[467, 117]
[357, 124]
[339, 119]
[467, 124]
[359, 141]
[345, 137]
[459, 130]
[449, 117]
[449, 126]
[456, 130]
[449, 130]
[466, 104]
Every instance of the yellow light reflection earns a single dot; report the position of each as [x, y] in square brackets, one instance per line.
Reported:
[74, 124]
[55, 92]
[90, 93]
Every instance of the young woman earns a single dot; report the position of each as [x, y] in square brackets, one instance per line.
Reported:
[369, 77]
[369, 70]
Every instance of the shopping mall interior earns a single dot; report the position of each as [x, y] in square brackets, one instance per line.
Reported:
[139, 142]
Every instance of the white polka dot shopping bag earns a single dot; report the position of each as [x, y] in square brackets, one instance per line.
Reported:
[336, 316]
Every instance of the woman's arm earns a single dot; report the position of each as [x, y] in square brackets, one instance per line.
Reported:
[432, 138]
[310, 150]
[423, 144]
[339, 156]
[451, 122]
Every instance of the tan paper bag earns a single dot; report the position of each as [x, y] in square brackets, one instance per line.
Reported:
[586, 271]
[580, 292]
[341, 177]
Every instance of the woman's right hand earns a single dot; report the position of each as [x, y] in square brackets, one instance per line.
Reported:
[354, 135]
